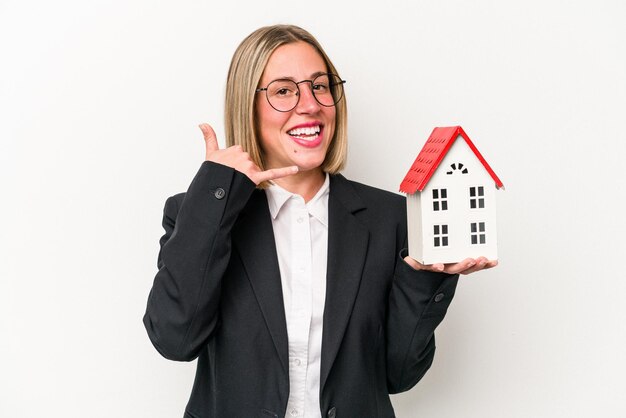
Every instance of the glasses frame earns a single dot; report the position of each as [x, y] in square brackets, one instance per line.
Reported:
[341, 82]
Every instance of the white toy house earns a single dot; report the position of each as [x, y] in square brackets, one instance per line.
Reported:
[451, 200]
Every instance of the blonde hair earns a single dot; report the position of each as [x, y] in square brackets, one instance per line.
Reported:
[246, 69]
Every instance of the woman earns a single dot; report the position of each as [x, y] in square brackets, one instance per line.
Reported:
[281, 276]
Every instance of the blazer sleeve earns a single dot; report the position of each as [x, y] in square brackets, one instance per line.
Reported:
[418, 302]
[182, 309]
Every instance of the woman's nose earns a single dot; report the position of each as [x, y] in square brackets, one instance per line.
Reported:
[307, 103]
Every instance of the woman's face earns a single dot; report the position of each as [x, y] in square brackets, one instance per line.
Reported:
[301, 136]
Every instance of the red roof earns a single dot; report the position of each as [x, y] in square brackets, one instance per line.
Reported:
[435, 148]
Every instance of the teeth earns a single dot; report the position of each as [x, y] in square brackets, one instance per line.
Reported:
[313, 130]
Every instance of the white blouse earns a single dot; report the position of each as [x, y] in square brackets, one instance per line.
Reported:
[301, 234]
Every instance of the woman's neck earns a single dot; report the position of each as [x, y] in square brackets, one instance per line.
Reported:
[304, 183]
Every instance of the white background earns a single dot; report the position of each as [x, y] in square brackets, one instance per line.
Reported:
[99, 106]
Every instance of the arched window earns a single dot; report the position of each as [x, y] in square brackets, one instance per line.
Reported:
[457, 167]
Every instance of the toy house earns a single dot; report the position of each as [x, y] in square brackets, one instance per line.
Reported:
[451, 200]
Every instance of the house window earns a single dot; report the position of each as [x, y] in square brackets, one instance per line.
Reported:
[477, 233]
[457, 167]
[440, 199]
[477, 197]
[440, 233]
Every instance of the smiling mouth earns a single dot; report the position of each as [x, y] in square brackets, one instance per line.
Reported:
[305, 133]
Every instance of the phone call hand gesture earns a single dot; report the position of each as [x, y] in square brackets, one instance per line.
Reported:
[235, 157]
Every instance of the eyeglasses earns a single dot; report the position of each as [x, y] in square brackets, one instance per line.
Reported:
[284, 94]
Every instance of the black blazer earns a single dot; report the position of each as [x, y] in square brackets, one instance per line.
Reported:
[217, 297]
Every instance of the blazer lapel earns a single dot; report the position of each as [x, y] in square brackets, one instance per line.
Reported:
[347, 249]
[254, 239]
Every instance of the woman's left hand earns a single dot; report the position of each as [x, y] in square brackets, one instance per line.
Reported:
[467, 266]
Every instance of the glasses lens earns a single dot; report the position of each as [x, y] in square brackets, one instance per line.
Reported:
[282, 94]
[328, 89]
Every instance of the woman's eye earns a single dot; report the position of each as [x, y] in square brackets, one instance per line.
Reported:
[283, 92]
[320, 88]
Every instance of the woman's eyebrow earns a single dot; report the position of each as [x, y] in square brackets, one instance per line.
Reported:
[312, 76]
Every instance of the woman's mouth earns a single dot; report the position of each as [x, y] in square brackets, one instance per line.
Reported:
[307, 136]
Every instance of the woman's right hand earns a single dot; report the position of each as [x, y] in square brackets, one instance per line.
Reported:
[235, 157]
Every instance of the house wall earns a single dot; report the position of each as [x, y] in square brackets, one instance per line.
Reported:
[414, 226]
[459, 215]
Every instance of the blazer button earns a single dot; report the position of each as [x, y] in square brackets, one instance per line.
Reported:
[219, 193]
[332, 412]
[439, 297]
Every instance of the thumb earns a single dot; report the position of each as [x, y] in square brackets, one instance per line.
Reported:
[209, 137]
